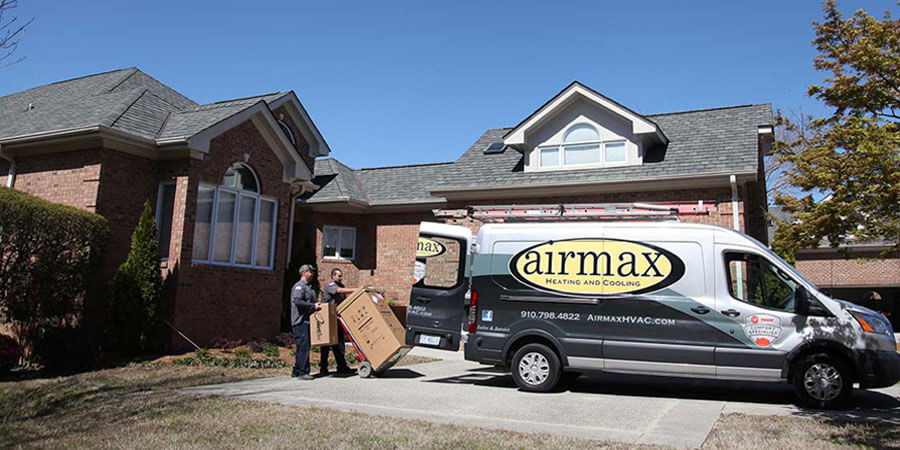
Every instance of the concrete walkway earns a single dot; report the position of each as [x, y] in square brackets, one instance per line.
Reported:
[633, 409]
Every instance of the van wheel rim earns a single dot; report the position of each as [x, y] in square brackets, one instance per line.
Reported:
[534, 368]
[823, 382]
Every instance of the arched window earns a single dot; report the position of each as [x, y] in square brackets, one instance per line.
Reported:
[235, 225]
[288, 132]
[241, 176]
[582, 147]
[581, 133]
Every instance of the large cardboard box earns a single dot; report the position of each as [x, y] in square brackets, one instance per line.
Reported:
[323, 326]
[373, 325]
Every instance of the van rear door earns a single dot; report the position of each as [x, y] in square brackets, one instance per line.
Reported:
[437, 304]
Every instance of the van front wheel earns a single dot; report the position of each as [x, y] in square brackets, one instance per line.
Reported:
[536, 368]
[822, 381]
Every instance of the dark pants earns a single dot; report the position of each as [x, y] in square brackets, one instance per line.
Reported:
[337, 349]
[301, 342]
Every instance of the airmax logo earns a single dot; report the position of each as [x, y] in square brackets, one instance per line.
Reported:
[596, 267]
[428, 248]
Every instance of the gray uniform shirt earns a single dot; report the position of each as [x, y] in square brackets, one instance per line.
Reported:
[331, 295]
[303, 302]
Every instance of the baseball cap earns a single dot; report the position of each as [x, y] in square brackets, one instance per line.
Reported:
[307, 268]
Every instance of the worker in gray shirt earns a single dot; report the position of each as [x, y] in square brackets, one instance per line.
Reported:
[335, 293]
[303, 303]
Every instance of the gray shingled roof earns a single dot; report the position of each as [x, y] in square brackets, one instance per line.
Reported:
[127, 100]
[713, 141]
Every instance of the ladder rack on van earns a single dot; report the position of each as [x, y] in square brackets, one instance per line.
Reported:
[579, 211]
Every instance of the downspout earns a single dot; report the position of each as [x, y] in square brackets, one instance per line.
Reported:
[734, 203]
[737, 227]
[11, 175]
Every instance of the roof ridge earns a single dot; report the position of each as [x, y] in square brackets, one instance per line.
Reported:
[122, 107]
[359, 184]
[407, 165]
[236, 99]
[65, 81]
[134, 70]
[331, 158]
[747, 105]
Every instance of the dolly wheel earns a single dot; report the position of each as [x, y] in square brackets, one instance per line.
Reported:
[365, 369]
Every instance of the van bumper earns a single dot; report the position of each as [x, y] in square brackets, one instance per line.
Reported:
[878, 368]
[478, 349]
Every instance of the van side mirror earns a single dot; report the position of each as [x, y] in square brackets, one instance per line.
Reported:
[808, 305]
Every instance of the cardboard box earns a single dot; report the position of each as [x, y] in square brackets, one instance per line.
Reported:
[323, 326]
[374, 327]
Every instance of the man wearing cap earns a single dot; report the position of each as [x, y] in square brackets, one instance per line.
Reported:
[335, 293]
[303, 303]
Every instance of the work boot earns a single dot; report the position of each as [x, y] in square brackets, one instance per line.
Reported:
[345, 369]
[324, 371]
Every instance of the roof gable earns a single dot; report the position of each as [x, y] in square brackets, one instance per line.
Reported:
[517, 136]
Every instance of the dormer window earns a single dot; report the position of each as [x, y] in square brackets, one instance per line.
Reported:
[582, 146]
[288, 132]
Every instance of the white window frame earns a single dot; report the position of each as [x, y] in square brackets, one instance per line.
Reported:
[340, 234]
[159, 199]
[239, 194]
[288, 131]
[561, 151]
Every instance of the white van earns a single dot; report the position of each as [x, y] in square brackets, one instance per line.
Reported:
[651, 298]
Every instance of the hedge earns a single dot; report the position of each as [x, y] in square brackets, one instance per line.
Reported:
[49, 255]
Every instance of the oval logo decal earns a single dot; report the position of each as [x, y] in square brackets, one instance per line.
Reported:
[427, 248]
[595, 266]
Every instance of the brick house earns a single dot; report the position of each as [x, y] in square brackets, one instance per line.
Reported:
[857, 271]
[579, 147]
[222, 178]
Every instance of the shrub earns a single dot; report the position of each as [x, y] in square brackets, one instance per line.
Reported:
[255, 347]
[242, 353]
[49, 255]
[202, 357]
[10, 353]
[65, 348]
[270, 350]
[137, 309]
[285, 339]
[225, 343]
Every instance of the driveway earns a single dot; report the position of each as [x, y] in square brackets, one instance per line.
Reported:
[633, 409]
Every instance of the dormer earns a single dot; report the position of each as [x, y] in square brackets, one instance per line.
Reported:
[581, 129]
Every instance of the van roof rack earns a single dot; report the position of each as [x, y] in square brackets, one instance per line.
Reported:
[579, 211]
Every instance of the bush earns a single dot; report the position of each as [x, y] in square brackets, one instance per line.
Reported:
[10, 353]
[242, 353]
[255, 347]
[136, 305]
[202, 357]
[65, 348]
[270, 350]
[225, 343]
[285, 339]
[49, 255]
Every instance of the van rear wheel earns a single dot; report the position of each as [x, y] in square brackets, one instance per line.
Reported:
[535, 367]
[822, 381]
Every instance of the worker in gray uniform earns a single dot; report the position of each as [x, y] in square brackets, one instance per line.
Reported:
[303, 303]
[335, 293]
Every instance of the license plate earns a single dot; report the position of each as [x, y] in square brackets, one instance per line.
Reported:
[428, 339]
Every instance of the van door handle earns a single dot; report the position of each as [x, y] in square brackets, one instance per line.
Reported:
[700, 309]
[731, 313]
[423, 299]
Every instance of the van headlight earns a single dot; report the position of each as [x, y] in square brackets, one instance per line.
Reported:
[872, 323]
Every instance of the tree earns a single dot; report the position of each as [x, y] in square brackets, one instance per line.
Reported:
[12, 30]
[137, 307]
[851, 158]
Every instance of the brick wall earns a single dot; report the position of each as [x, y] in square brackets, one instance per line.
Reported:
[386, 243]
[215, 300]
[71, 178]
[4, 171]
[858, 270]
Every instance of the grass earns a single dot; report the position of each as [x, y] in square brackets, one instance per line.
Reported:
[139, 406]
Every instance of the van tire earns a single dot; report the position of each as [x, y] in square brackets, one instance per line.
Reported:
[536, 368]
[822, 368]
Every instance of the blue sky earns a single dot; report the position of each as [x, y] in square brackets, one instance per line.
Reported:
[392, 83]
